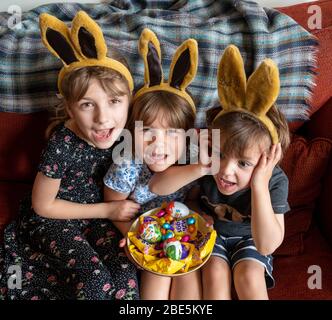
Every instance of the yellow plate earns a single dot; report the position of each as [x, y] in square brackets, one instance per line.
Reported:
[201, 227]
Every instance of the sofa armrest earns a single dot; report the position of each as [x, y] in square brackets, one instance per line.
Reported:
[324, 205]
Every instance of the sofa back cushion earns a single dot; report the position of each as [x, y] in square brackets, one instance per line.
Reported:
[21, 141]
[305, 163]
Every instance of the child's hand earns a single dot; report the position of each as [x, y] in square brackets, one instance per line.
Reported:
[204, 159]
[208, 219]
[123, 244]
[122, 210]
[263, 171]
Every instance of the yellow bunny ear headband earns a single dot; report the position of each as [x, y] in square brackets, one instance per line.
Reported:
[182, 70]
[84, 45]
[254, 97]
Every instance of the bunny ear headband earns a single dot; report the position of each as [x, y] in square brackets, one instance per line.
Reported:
[182, 70]
[84, 45]
[255, 96]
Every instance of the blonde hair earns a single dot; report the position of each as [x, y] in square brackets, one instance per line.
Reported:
[177, 111]
[76, 83]
[241, 130]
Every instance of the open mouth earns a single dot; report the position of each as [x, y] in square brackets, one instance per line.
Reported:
[102, 135]
[226, 183]
[156, 158]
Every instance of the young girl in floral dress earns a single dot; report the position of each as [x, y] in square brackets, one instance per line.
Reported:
[63, 241]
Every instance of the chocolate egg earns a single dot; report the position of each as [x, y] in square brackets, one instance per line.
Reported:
[191, 228]
[173, 250]
[185, 252]
[161, 213]
[166, 226]
[185, 238]
[191, 220]
[150, 231]
[169, 234]
[177, 209]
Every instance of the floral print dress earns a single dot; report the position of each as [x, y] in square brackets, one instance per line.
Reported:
[67, 259]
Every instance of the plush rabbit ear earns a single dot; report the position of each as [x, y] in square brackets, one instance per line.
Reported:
[256, 96]
[149, 48]
[84, 47]
[56, 37]
[184, 65]
[263, 88]
[182, 71]
[88, 37]
[231, 79]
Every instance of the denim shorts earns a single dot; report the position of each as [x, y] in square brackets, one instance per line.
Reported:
[236, 249]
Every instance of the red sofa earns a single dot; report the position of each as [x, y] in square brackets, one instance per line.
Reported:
[303, 264]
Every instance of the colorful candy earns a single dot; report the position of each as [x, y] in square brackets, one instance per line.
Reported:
[191, 220]
[185, 252]
[161, 213]
[169, 234]
[177, 209]
[173, 250]
[191, 228]
[166, 226]
[150, 231]
[185, 238]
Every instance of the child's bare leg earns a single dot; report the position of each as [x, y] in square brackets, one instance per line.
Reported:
[249, 280]
[187, 287]
[217, 279]
[154, 287]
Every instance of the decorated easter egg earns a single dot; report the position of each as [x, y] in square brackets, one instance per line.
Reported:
[173, 249]
[150, 231]
[177, 209]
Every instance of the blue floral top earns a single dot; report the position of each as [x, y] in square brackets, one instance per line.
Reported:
[130, 177]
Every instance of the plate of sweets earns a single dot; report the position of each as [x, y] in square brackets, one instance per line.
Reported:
[171, 240]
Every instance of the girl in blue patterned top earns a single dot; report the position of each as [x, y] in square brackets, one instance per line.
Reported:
[165, 112]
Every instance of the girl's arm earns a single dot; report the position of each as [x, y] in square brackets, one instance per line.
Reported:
[267, 227]
[111, 195]
[175, 177]
[45, 203]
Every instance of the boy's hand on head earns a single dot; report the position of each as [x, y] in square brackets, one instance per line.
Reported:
[263, 171]
[122, 210]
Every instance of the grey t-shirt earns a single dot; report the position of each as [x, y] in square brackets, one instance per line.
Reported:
[232, 213]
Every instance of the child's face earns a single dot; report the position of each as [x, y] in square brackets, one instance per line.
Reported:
[235, 173]
[160, 146]
[99, 118]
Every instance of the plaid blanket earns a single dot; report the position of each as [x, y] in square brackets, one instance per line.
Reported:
[28, 72]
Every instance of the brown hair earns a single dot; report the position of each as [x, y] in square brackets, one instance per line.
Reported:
[76, 83]
[177, 112]
[241, 130]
